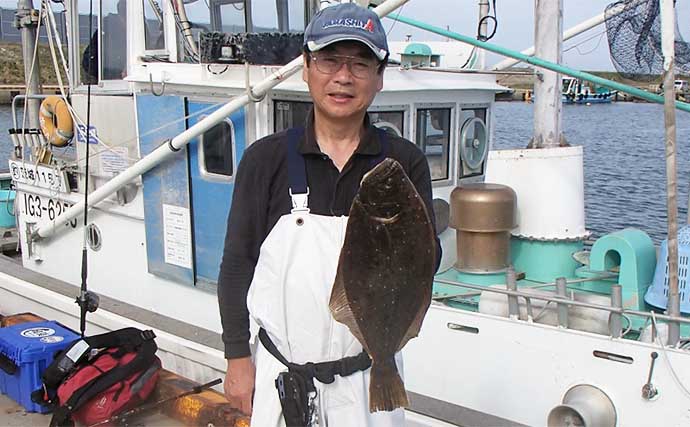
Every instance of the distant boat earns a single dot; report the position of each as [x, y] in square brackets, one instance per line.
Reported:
[576, 91]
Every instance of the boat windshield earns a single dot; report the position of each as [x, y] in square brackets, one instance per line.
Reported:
[253, 16]
[245, 16]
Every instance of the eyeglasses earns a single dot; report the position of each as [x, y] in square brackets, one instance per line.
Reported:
[359, 67]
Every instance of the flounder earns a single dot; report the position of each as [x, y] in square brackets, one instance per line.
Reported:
[382, 288]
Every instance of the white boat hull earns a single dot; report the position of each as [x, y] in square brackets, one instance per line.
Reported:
[519, 371]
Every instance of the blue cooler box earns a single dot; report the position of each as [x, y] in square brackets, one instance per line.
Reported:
[25, 352]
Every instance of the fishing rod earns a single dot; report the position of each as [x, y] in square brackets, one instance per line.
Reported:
[87, 301]
[153, 405]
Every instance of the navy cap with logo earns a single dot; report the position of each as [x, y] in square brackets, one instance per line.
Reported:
[346, 21]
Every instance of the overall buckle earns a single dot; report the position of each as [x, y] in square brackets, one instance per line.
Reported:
[300, 202]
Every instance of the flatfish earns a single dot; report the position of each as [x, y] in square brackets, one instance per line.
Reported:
[382, 288]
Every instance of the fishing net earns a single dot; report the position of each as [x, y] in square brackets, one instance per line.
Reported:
[634, 37]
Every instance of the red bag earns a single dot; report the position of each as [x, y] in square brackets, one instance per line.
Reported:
[100, 376]
[119, 397]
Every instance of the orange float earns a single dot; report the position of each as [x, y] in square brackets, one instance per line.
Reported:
[55, 120]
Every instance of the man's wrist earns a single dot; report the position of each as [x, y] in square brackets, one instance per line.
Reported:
[237, 350]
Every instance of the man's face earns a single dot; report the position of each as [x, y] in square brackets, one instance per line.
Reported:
[348, 91]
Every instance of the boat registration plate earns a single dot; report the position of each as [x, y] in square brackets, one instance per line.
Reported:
[41, 208]
[38, 175]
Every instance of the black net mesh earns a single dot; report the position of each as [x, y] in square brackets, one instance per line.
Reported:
[635, 40]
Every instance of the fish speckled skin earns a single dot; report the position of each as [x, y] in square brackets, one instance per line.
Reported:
[383, 284]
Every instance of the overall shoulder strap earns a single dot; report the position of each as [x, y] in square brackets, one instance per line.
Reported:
[297, 172]
[385, 148]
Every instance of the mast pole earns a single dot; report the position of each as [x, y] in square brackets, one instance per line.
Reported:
[26, 21]
[548, 36]
[668, 37]
[483, 30]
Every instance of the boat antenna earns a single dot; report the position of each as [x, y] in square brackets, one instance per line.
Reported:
[87, 301]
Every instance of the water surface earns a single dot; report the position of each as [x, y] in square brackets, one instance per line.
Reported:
[625, 165]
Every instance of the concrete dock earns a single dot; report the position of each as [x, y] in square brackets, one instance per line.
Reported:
[13, 415]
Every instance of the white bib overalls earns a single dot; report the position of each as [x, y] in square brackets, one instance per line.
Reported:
[289, 297]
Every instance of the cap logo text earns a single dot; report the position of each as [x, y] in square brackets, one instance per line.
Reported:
[350, 23]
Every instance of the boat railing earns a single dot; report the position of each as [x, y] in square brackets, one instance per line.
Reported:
[562, 301]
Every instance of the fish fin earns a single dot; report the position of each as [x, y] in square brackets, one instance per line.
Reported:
[416, 324]
[341, 311]
[386, 388]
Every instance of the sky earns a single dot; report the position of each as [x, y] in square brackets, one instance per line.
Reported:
[515, 25]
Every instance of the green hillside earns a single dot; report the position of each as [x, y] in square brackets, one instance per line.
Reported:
[12, 65]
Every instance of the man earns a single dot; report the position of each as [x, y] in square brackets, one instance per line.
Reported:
[292, 194]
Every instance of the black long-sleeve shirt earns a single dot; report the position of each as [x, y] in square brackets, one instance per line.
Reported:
[261, 197]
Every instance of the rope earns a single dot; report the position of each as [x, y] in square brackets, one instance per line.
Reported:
[578, 44]
[396, 20]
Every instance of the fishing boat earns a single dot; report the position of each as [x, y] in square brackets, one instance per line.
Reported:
[529, 326]
[576, 91]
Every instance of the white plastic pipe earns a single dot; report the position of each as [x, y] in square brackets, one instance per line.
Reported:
[569, 33]
[48, 228]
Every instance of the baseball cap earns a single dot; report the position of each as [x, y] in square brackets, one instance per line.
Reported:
[346, 21]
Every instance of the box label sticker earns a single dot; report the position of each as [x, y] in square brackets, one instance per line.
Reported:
[37, 332]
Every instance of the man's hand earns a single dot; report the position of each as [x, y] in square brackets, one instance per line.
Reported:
[239, 383]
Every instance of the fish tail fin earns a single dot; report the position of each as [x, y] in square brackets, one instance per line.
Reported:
[386, 388]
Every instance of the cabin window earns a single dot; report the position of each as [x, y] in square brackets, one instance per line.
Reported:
[277, 15]
[88, 45]
[390, 121]
[473, 141]
[154, 36]
[433, 137]
[114, 39]
[469, 113]
[108, 40]
[289, 114]
[216, 158]
[227, 16]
